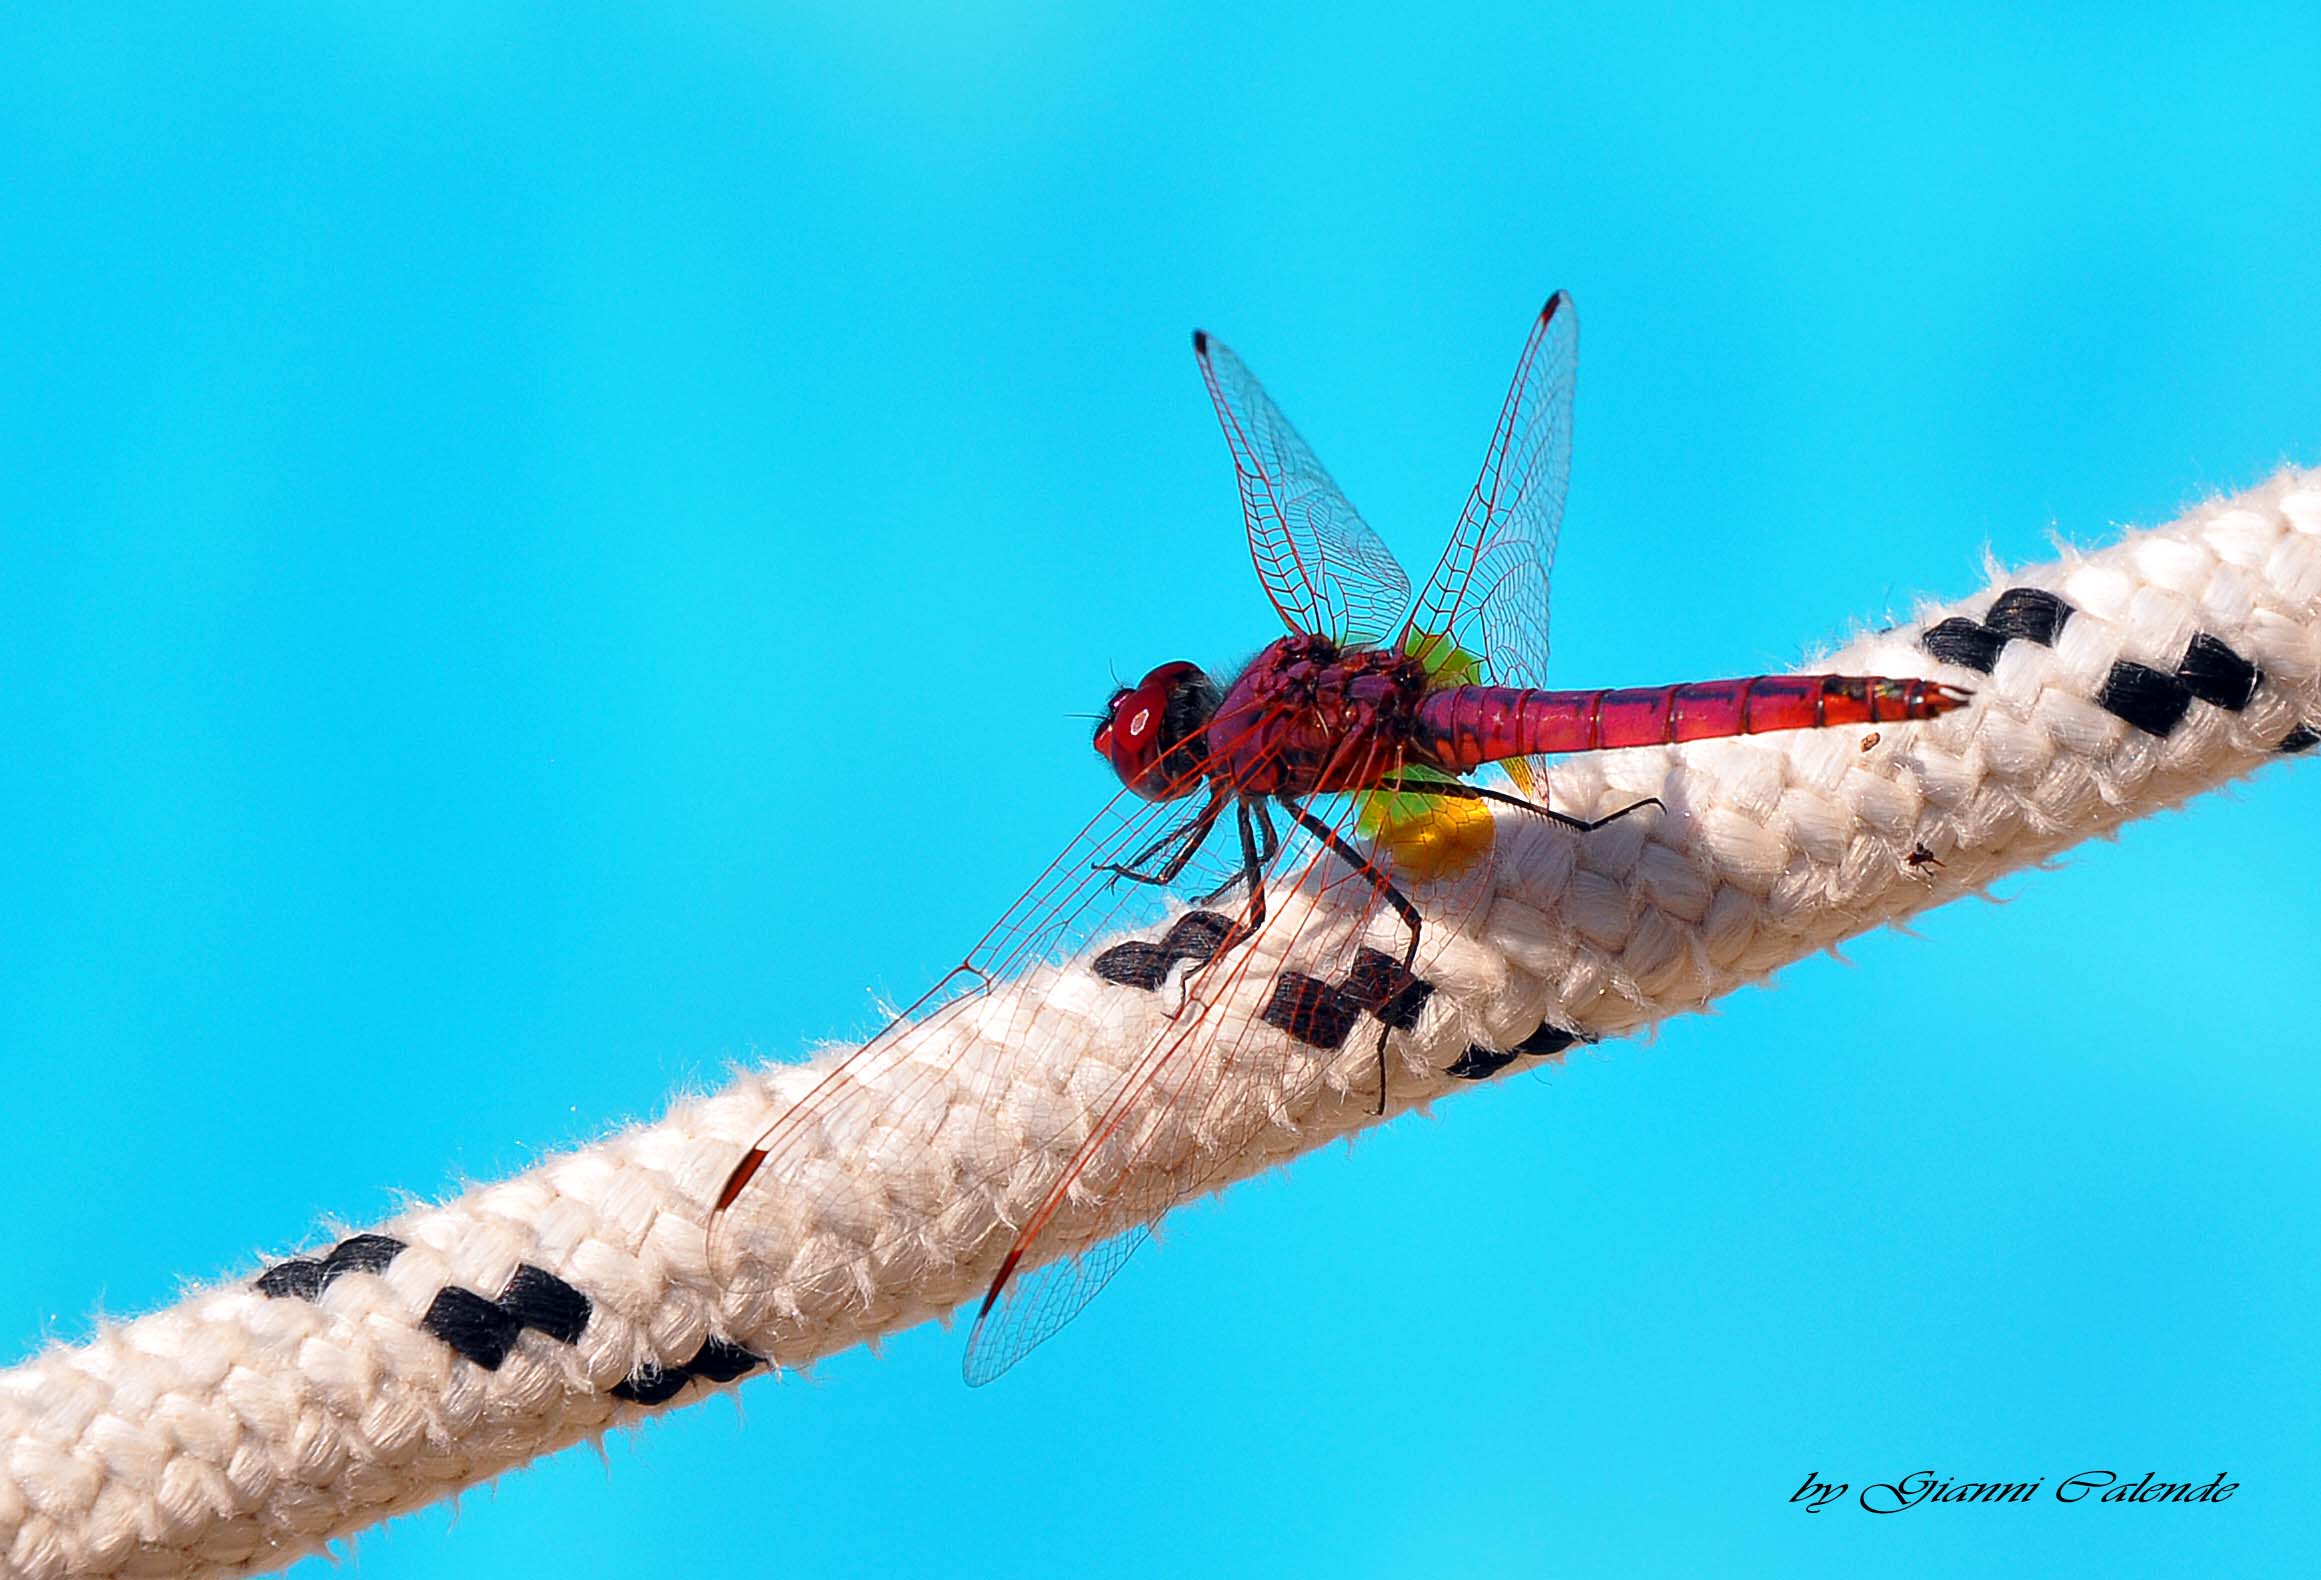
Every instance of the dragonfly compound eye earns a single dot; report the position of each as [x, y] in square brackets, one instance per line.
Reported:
[1151, 737]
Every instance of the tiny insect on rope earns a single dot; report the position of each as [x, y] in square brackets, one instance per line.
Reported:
[253, 1422]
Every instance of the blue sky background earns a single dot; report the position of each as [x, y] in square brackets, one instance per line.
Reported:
[547, 549]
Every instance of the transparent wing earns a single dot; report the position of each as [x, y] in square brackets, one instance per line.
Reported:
[1276, 1032]
[1168, 1126]
[1487, 598]
[813, 1168]
[1322, 566]
[901, 1086]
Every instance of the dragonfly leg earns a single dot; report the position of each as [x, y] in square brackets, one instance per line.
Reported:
[1466, 792]
[1258, 845]
[1187, 837]
[1401, 902]
[1584, 825]
[1253, 864]
[1174, 836]
[1268, 842]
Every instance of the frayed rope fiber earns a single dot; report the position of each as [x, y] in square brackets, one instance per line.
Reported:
[253, 1422]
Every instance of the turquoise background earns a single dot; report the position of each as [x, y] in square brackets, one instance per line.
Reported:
[544, 550]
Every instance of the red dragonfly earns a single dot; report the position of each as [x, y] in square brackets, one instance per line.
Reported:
[1341, 757]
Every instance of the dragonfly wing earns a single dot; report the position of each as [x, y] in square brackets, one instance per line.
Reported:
[1035, 1305]
[1488, 595]
[903, 1085]
[926, 1085]
[1322, 566]
[1271, 1027]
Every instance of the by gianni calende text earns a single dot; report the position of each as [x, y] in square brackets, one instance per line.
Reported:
[1922, 1487]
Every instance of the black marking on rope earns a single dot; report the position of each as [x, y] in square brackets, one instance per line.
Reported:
[1318, 1013]
[1322, 1014]
[2019, 613]
[1551, 1039]
[715, 1361]
[2029, 613]
[482, 1330]
[298, 1279]
[2216, 674]
[650, 1384]
[305, 1278]
[546, 1304]
[1380, 985]
[1967, 643]
[1311, 1010]
[2156, 703]
[2300, 739]
[2151, 701]
[485, 1330]
[1197, 935]
[1480, 1064]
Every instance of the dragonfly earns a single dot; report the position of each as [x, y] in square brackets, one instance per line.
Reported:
[1306, 837]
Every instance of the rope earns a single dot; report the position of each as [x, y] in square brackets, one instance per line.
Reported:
[255, 1421]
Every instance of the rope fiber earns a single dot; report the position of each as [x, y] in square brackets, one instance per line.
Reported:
[255, 1421]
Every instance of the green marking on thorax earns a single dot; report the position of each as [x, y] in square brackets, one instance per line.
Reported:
[1446, 664]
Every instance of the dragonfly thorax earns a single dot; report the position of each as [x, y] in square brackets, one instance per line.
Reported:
[1151, 733]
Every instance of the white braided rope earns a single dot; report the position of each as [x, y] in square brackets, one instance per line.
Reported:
[241, 1429]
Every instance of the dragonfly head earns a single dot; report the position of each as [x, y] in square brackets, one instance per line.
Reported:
[1151, 733]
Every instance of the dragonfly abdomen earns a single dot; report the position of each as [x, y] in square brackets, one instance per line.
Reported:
[1465, 727]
